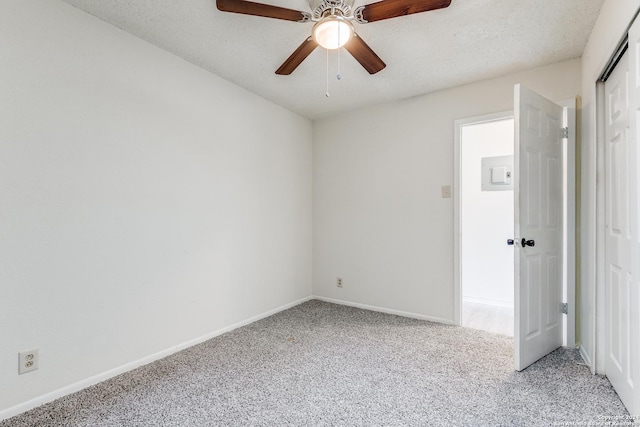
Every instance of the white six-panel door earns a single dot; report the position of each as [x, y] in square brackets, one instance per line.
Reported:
[634, 103]
[619, 231]
[538, 192]
[622, 219]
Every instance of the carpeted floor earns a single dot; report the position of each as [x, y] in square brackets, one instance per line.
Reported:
[321, 364]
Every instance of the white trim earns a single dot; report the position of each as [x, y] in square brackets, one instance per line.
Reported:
[487, 301]
[585, 356]
[597, 238]
[386, 310]
[569, 285]
[80, 385]
[457, 237]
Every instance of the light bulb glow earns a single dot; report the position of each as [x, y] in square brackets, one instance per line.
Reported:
[332, 32]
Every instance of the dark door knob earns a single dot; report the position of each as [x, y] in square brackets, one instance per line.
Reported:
[526, 242]
[510, 242]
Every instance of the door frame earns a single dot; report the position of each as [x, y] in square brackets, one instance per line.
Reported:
[457, 217]
[569, 214]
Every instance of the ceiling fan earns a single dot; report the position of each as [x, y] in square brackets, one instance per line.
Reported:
[333, 27]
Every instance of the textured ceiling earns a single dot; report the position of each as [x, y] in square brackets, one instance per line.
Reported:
[470, 40]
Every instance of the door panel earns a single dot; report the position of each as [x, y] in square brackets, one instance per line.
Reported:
[538, 216]
[531, 213]
[554, 295]
[553, 214]
[532, 291]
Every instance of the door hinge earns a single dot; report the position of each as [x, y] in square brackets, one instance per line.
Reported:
[564, 133]
[564, 307]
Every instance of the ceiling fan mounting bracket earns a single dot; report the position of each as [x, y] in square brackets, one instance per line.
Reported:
[320, 8]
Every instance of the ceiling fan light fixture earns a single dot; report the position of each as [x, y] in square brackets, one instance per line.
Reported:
[333, 32]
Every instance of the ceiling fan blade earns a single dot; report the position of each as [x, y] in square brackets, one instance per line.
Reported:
[393, 8]
[259, 9]
[297, 57]
[364, 55]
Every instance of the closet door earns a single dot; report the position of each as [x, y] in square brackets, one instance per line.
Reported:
[622, 256]
[634, 126]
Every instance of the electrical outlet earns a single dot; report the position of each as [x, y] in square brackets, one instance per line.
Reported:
[28, 361]
[339, 282]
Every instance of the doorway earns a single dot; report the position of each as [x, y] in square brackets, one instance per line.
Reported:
[568, 216]
[486, 222]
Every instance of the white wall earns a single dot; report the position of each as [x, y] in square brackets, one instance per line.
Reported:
[486, 262]
[144, 202]
[379, 219]
[612, 24]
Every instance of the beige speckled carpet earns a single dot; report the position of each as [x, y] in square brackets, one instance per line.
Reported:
[322, 364]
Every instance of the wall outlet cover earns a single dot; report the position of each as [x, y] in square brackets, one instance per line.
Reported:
[28, 361]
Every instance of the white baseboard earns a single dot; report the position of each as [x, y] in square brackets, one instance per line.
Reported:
[488, 301]
[586, 358]
[386, 310]
[80, 385]
[72, 388]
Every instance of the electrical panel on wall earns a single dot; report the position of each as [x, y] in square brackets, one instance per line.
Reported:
[497, 173]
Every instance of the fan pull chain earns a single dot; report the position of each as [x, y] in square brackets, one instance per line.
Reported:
[327, 92]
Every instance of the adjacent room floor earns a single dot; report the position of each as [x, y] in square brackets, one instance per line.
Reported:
[325, 364]
[488, 318]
